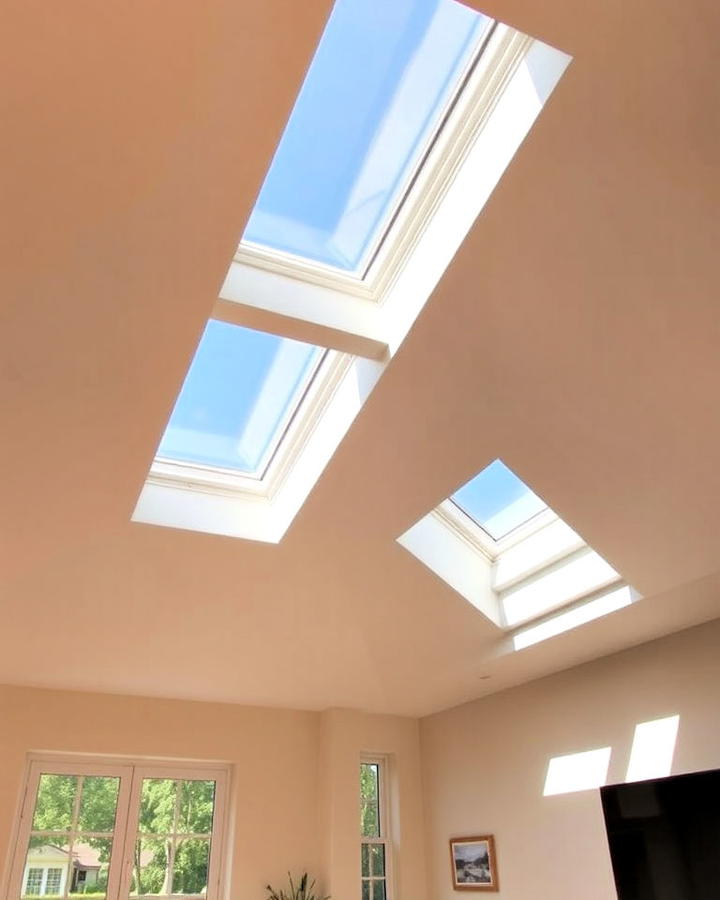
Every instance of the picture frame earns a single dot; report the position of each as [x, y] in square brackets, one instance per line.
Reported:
[473, 864]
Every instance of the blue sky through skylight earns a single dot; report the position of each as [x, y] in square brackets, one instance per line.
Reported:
[497, 500]
[240, 391]
[377, 86]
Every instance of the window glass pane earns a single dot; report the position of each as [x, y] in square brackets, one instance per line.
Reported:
[369, 820]
[375, 92]
[151, 874]
[364, 860]
[498, 500]
[55, 802]
[98, 803]
[369, 799]
[91, 865]
[369, 781]
[190, 869]
[378, 890]
[366, 890]
[197, 799]
[377, 859]
[157, 806]
[241, 390]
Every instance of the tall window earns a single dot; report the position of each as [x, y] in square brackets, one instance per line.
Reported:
[115, 831]
[374, 843]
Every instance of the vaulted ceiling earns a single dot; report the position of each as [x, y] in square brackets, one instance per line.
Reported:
[575, 335]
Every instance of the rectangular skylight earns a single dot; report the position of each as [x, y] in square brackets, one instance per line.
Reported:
[497, 500]
[241, 391]
[377, 89]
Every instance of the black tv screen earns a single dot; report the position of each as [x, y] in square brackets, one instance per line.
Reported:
[664, 837]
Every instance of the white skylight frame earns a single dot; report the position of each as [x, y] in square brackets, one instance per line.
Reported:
[406, 214]
[537, 582]
[362, 323]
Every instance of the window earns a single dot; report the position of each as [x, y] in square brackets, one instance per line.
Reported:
[374, 842]
[381, 79]
[501, 547]
[407, 119]
[241, 391]
[498, 501]
[33, 884]
[119, 830]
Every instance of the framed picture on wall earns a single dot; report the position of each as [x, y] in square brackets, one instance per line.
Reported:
[473, 863]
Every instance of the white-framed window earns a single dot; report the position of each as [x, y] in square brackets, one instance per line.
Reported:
[121, 828]
[53, 881]
[375, 844]
[33, 882]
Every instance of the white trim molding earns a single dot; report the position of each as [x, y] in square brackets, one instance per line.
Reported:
[533, 576]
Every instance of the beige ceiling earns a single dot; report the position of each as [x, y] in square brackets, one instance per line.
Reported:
[576, 335]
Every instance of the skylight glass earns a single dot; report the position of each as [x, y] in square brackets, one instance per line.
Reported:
[239, 395]
[382, 76]
[497, 500]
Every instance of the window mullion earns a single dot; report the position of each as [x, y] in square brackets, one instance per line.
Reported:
[125, 834]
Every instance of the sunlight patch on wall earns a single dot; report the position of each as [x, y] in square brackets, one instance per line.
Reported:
[652, 749]
[577, 772]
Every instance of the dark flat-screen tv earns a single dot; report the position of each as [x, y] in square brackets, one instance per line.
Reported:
[664, 837]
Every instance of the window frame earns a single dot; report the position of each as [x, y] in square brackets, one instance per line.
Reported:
[384, 837]
[362, 322]
[131, 772]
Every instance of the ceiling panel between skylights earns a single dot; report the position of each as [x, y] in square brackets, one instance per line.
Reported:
[380, 81]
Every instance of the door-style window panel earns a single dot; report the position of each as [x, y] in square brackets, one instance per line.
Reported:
[108, 831]
[174, 835]
[374, 844]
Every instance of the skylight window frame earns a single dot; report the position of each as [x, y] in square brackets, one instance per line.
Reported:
[424, 185]
[362, 324]
[302, 418]
[194, 471]
[455, 517]
[491, 574]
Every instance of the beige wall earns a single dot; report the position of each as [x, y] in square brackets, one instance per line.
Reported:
[292, 771]
[396, 738]
[484, 763]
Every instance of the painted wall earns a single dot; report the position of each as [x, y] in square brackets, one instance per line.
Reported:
[484, 763]
[292, 770]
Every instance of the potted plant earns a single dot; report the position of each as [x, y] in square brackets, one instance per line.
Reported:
[301, 891]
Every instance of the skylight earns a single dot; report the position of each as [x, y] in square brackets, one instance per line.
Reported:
[407, 119]
[498, 501]
[376, 92]
[241, 390]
